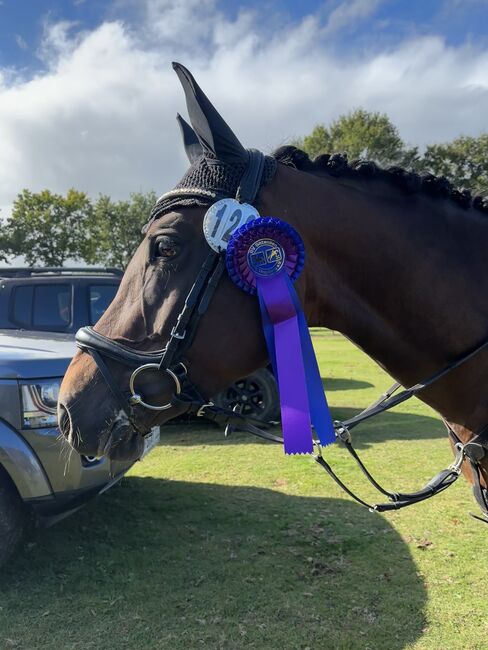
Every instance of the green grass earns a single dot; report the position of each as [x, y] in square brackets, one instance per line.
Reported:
[229, 544]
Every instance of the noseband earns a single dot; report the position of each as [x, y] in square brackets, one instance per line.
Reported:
[170, 362]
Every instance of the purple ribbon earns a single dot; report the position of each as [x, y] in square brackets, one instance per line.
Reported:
[319, 408]
[292, 383]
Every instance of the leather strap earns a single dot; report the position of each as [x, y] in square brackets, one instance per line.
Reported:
[251, 178]
[388, 400]
[193, 299]
[88, 339]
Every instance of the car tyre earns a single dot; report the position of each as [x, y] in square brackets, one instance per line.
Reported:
[12, 518]
[256, 395]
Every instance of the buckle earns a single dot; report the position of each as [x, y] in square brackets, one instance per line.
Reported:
[175, 335]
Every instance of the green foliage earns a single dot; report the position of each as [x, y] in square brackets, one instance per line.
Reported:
[47, 228]
[464, 161]
[361, 134]
[115, 229]
[3, 245]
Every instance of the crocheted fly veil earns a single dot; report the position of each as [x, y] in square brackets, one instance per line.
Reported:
[218, 160]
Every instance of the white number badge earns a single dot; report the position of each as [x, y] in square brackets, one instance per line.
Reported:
[222, 220]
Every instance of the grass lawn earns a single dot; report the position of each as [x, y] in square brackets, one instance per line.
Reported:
[211, 543]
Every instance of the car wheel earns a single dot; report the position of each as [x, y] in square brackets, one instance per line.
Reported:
[256, 395]
[12, 518]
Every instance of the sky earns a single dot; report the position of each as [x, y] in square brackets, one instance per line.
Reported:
[88, 97]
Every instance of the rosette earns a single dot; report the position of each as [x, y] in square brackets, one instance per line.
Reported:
[245, 259]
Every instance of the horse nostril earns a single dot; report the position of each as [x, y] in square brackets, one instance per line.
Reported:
[64, 422]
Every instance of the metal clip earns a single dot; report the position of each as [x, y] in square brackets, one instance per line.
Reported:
[318, 446]
[201, 410]
[342, 431]
[458, 461]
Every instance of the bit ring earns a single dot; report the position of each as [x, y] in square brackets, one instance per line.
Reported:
[135, 398]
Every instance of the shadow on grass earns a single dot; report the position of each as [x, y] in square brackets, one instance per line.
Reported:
[387, 426]
[339, 383]
[163, 564]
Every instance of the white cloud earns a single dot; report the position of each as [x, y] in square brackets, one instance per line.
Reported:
[21, 42]
[349, 13]
[58, 41]
[101, 117]
[175, 20]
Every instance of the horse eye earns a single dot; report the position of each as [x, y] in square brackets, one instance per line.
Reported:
[166, 248]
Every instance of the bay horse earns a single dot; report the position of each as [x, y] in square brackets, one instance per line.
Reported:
[396, 262]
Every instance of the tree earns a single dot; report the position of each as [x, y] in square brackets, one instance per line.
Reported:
[361, 134]
[464, 161]
[115, 229]
[47, 228]
[4, 245]
[4, 249]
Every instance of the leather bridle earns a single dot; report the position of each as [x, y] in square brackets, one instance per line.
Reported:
[170, 361]
[181, 337]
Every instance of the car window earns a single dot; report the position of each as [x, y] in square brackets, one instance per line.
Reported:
[22, 305]
[101, 295]
[52, 306]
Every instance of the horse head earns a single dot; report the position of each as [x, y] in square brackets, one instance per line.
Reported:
[227, 344]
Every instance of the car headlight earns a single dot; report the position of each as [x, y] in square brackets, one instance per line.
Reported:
[39, 403]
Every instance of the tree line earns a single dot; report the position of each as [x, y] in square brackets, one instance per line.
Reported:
[49, 229]
[372, 135]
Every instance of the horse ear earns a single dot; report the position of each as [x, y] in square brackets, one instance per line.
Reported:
[193, 148]
[213, 133]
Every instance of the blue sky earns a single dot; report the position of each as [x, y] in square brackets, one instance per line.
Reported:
[88, 97]
[23, 22]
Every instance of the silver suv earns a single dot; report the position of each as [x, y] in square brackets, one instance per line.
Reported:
[40, 310]
[38, 474]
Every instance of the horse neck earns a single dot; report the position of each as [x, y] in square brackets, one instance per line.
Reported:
[389, 271]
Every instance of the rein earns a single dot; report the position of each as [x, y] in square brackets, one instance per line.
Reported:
[473, 451]
[169, 361]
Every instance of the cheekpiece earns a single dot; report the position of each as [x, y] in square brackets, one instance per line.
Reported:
[264, 248]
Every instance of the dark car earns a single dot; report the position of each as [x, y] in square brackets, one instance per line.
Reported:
[55, 299]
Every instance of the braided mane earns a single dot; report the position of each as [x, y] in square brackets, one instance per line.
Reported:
[410, 182]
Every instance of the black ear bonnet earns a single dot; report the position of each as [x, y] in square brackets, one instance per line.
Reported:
[218, 160]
